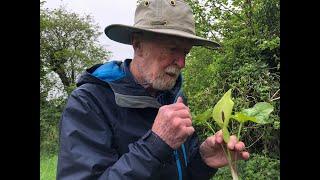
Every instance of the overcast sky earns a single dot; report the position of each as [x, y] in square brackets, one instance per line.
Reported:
[104, 13]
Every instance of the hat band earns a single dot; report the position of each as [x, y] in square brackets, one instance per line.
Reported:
[165, 27]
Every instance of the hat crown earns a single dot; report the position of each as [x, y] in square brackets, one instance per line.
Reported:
[164, 14]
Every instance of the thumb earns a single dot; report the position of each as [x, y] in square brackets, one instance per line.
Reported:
[179, 100]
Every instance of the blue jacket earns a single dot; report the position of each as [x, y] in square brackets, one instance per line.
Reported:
[105, 131]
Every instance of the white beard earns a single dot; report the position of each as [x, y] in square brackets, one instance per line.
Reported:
[163, 81]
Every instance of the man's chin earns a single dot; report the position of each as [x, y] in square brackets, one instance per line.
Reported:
[163, 87]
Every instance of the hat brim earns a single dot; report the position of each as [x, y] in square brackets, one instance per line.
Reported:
[122, 33]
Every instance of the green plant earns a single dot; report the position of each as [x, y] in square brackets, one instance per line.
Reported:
[248, 62]
[257, 167]
[50, 114]
[222, 113]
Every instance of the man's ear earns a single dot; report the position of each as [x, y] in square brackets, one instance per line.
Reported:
[136, 44]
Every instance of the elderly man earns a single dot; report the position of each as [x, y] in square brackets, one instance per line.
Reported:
[129, 120]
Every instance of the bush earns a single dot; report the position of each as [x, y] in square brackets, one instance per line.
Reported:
[50, 114]
[248, 62]
[257, 167]
[251, 81]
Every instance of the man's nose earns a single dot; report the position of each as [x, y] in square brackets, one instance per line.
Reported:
[180, 61]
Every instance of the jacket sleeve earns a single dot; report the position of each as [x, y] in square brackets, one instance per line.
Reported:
[196, 167]
[86, 150]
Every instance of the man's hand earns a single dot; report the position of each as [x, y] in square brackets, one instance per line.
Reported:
[173, 123]
[213, 154]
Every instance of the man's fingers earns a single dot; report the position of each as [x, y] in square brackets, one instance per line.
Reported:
[178, 105]
[211, 141]
[189, 130]
[182, 122]
[187, 122]
[179, 100]
[245, 155]
[232, 142]
[219, 137]
[182, 113]
[240, 155]
[239, 146]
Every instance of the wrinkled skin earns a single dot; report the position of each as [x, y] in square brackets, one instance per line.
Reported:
[173, 124]
[158, 61]
[212, 152]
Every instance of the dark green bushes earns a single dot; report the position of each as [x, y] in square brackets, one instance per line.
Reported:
[257, 167]
[248, 62]
[50, 115]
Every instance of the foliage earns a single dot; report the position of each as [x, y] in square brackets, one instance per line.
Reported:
[248, 62]
[68, 45]
[50, 114]
[257, 167]
[222, 113]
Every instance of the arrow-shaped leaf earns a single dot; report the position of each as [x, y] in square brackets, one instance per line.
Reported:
[241, 117]
[260, 112]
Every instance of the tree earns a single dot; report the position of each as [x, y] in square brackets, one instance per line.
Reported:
[68, 45]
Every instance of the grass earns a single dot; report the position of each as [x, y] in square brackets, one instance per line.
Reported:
[48, 166]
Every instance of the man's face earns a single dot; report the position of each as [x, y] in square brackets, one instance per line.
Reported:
[163, 58]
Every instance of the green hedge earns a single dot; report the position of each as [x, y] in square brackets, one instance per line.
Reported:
[257, 167]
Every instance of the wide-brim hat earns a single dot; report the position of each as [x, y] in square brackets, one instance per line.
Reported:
[167, 17]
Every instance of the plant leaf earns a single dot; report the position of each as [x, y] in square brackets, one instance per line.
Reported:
[260, 111]
[242, 118]
[224, 106]
[201, 118]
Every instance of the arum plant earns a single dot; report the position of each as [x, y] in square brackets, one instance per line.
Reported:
[221, 113]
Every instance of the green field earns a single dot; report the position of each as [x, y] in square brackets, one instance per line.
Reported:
[48, 166]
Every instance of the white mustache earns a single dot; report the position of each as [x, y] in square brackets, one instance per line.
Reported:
[172, 70]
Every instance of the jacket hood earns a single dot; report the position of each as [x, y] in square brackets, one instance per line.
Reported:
[128, 93]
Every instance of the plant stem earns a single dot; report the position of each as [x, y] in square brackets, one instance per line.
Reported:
[232, 165]
[210, 127]
[240, 127]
